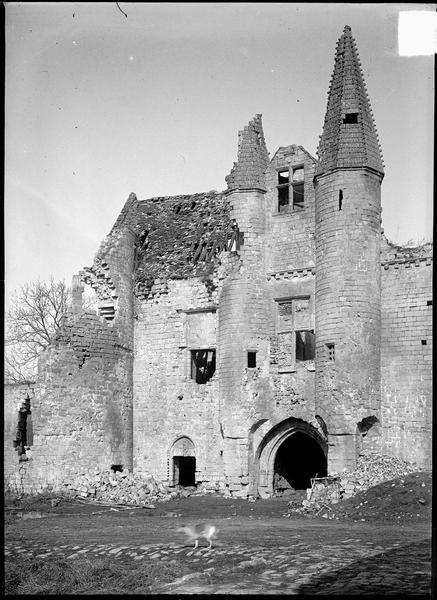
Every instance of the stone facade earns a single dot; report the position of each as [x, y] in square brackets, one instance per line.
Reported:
[247, 340]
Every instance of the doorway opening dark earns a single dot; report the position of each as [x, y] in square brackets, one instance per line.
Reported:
[298, 459]
[184, 470]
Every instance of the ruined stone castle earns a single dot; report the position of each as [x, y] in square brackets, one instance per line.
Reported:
[265, 334]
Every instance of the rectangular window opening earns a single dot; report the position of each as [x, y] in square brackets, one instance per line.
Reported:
[283, 198]
[283, 177]
[429, 302]
[331, 351]
[202, 365]
[350, 118]
[305, 345]
[251, 359]
[298, 196]
[283, 190]
[340, 200]
[298, 174]
[423, 342]
[117, 468]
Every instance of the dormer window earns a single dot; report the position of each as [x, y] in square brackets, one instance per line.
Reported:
[291, 189]
[350, 118]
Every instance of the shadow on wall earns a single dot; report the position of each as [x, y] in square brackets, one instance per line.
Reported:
[402, 570]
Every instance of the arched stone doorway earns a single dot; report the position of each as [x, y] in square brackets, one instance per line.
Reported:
[289, 455]
[299, 458]
[183, 462]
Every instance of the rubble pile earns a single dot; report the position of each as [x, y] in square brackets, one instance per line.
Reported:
[372, 469]
[123, 487]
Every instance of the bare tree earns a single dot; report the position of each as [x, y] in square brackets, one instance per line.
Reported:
[34, 316]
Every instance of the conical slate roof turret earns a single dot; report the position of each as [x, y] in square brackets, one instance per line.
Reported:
[349, 138]
[249, 170]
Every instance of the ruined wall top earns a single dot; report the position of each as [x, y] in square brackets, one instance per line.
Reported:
[249, 170]
[349, 138]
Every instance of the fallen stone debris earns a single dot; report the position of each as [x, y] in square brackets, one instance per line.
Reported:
[124, 488]
[327, 492]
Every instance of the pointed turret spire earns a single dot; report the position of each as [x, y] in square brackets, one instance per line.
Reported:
[249, 170]
[349, 137]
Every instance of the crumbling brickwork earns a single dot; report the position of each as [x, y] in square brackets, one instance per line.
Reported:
[82, 405]
[15, 457]
[248, 339]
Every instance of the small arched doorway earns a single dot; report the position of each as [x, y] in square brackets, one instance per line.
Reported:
[183, 462]
[298, 459]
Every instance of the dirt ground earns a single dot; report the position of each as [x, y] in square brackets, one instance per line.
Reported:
[238, 520]
[257, 545]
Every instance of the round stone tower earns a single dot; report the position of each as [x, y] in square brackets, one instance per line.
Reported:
[348, 231]
[242, 319]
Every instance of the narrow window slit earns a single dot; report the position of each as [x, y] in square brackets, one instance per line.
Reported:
[251, 360]
[340, 200]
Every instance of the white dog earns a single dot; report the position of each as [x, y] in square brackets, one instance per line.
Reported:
[196, 532]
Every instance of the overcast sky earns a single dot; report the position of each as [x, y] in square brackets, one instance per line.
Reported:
[99, 105]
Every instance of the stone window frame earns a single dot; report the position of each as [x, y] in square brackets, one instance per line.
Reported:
[184, 345]
[290, 184]
[278, 330]
[208, 348]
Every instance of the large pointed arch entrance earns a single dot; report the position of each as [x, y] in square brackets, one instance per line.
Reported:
[289, 455]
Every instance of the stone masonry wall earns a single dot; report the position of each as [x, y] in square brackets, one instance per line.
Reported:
[293, 387]
[290, 237]
[168, 404]
[348, 297]
[81, 412]
[406, 357]
[14, 396]
[244, 324]
[348, 313]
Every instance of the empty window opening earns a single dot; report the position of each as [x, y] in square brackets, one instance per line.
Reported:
[350, 118]
[24, 436]
[117, 468]
[184, 470]
[283, 190]
[331, 351]
[251, 360]
[423, 342]
[236, 240]
[283, 177]
[429, 302]
[298, 196]
[298, 174]
[340, 200]
[299, 458]
[305, 345]
[202, 365]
